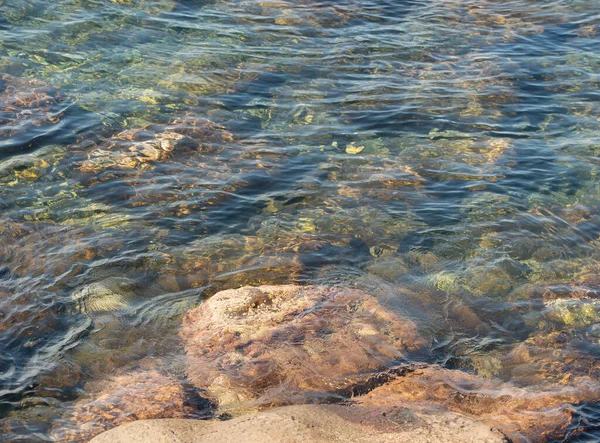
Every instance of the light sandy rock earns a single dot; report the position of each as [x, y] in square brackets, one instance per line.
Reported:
[312, 423]
[276, 345]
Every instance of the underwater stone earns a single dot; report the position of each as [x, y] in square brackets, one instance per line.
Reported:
[536, 414]
[285, 344]
[491, 281]
[140, 148]
[561, 357]
[140, 393]
[127, 151]
[112, 294]
[387, 267]
[26, 104]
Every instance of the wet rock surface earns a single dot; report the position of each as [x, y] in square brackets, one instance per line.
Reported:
[534, 414]
[145, 391]
[287, 344]
[111, 294]
[257, 348]
[265, 346]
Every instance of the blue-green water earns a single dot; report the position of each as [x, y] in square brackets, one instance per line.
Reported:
[164, 150]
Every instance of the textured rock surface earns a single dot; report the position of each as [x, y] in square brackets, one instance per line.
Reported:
[537, 414]
[141, 148]
[111, 294]
[311, 423]
[288, 344]
[136, 394]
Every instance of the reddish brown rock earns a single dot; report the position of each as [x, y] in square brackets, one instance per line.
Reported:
[287, 344]
[557, 357]
[136, 394]
[536, 414]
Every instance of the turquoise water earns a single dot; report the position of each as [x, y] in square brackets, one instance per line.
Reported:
[155, 152]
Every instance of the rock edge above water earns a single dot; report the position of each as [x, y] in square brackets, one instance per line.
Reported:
[311, 423]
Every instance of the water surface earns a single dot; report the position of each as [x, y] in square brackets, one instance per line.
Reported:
[155, 152]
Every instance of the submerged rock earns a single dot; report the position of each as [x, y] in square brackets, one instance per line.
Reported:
[140, 393]
[314, 423]
[289, 344]
[536, 414]
[26, 104]
[22, 169]
[109, 295]
[132, 149]
[565, 358]
[142, 147]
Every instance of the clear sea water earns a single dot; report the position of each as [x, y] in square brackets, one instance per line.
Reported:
[153, 152]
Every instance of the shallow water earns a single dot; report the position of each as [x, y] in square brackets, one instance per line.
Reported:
[155, 152]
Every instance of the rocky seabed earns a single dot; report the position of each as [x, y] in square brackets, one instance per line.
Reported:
[315, 363]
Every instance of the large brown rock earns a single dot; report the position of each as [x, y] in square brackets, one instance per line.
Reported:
[140, 393]
[311, 423]
[533, 415]
[290, 344]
